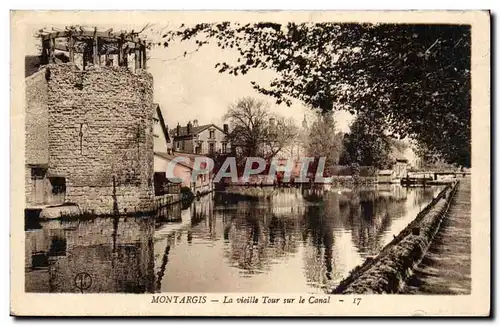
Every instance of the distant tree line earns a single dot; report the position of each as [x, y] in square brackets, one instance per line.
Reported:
[256, 132]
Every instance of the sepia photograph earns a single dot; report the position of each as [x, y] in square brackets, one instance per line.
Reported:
[211, 158]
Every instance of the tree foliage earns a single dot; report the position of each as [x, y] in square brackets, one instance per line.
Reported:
[367, 144]
[255, 131]
[324, 140]
[416, 77]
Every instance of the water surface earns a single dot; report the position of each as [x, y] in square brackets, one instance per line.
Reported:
[295, 241]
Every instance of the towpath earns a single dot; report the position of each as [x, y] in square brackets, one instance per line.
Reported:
[446, 268]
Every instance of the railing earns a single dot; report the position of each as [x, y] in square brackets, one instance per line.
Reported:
[172, 188]
[167, 189]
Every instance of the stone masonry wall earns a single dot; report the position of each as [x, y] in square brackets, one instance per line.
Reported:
[36, 126]
[101, 137]
[36, 123]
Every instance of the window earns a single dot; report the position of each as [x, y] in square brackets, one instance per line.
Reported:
[38, 173]
[160, 179]
[211, 148]
[198, 149]
[58, 185]
[212, 133]
[224, 147]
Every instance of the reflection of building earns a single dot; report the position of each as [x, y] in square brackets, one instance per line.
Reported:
[204, 139]
[393, 191]
[117, 254]
[287, 202]
[257, 237]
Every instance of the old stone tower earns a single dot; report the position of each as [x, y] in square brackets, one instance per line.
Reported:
[89, 136]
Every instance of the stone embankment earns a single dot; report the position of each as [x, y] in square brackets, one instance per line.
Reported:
[389, 271]
[446, 267]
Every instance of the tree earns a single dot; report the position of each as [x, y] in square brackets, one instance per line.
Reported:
[416, 76]
[255, 131]
[324, 140]
[367, 144]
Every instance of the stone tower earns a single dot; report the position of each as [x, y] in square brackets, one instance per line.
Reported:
[98, 126]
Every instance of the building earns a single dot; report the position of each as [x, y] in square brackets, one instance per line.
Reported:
[400, 168]
[206, 139]
[88, 127]
[183, 170]
[163, 156]
[162, 140]
[385, 176]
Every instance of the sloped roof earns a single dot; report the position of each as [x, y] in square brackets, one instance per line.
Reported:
[195, 130]
[385, 172]
[170, 157]
[164, 127]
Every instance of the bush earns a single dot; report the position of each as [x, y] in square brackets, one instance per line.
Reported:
[185, 189]
[186, 194]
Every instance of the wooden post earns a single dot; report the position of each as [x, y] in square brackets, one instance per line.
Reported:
[45, 57]
[125, 56]
[137, 56]
[120, 52]
[144, 57]
[106, 58]
[52, 50]
[95, 48]
[71, 48]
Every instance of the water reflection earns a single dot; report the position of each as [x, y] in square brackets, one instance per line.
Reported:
[295, 241]
[117, 253]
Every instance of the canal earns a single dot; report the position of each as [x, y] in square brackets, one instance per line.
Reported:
[293, 241]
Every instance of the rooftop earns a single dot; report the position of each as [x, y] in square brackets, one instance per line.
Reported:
[194, 130]
[93, 44]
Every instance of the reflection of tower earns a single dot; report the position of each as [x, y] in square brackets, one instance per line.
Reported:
[120, 249]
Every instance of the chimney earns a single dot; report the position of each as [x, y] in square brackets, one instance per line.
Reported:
[195, 123]
[189, 128]
[226, 128]
[178, 133]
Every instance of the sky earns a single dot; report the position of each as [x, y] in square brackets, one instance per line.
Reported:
[190, 87]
